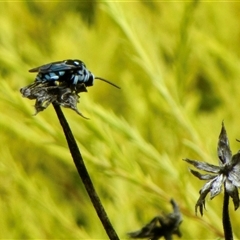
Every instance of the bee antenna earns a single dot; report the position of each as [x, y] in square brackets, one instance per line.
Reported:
[104, 80]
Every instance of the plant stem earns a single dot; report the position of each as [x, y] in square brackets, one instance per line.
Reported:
[226, 218]
[83, 173]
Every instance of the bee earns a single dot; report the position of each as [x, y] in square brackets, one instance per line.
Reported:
[69, 71]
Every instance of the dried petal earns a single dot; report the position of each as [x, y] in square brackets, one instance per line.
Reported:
[69, 99]
[236, 159]
[201, 201]
[234, 176]
[233, 193]
[217, 185]
[224, 152]
[202, 176]
[203, 193]
[42, 104]
[207, 186]
[203, 166]
[234, 173]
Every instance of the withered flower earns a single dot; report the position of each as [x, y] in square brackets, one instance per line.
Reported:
[161, 226]
[46, 93]
[227, 173]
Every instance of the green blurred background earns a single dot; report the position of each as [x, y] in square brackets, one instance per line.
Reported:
[178, 68]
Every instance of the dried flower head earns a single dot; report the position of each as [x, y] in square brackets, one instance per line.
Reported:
[227, 173]
[46, 93]
[161, 226]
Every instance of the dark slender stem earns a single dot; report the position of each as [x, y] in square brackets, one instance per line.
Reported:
[79, 163]
[226, 218]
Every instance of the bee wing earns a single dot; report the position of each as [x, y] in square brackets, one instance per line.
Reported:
[56, 66]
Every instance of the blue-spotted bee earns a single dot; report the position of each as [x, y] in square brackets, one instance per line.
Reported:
[69, 71]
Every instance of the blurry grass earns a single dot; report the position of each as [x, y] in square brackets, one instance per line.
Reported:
[179, 78]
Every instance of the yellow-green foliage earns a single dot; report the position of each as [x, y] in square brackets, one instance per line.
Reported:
[179, 71]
